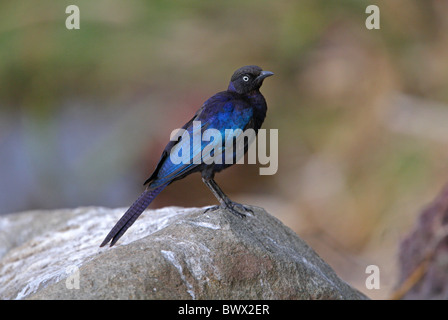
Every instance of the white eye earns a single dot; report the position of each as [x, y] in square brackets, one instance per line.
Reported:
[246, 78]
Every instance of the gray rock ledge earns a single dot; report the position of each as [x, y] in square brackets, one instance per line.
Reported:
[170, 253]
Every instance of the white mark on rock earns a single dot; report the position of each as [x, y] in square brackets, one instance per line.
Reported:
[206, 225]
[169, 255]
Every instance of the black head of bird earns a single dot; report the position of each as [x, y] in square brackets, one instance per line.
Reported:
[248, 79]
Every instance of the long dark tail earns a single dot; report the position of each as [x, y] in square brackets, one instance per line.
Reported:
[131, 215]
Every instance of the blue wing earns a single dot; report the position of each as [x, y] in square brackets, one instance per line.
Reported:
[220, 112]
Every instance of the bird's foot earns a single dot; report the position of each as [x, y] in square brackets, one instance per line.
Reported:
[234, 207]
[238, 209]
[212, 208]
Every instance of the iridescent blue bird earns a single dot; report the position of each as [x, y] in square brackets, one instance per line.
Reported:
[241, 106]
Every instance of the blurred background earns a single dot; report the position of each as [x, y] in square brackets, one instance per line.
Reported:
[362, 114]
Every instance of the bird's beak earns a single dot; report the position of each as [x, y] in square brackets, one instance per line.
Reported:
[264, 74]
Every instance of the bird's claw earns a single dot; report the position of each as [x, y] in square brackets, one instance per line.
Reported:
[241, 209]
[212, 208]
[232, 207]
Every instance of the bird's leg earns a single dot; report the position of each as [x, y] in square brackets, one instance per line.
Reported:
[225, 202]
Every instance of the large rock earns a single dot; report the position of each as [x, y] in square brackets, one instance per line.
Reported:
[170, 253]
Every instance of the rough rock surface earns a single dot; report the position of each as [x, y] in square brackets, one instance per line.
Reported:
[170, 253]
